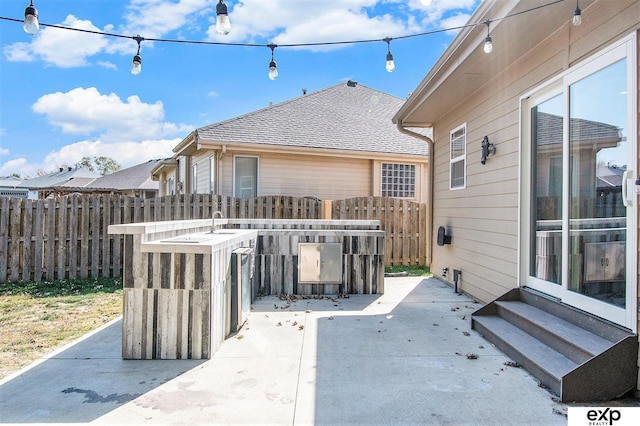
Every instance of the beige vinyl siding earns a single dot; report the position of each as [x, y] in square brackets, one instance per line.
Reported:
[298, 175]
[483, 218]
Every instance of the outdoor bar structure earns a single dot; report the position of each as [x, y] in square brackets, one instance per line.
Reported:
[188, 283]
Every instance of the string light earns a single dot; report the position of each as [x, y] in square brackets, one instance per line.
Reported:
[273, 67]
[577, 15]
[390, 64]
[31, 25]
[136, 66]
[223, 25]
[488, 43]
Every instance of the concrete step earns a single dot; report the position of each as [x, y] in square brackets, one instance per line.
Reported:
[544, 363]
[572, 341]
[580, 357]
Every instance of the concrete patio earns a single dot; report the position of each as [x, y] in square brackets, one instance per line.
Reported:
[405, 357]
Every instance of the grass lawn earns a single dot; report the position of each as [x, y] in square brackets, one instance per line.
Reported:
[36, 318]
[412, 271]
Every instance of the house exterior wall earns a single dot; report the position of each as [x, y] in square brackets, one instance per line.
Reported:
[300, 175]
[482, 219]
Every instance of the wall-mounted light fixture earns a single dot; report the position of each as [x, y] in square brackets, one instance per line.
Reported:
[487, 149]
[443, 238]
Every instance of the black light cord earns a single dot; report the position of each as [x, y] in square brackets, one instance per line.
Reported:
[329, 43]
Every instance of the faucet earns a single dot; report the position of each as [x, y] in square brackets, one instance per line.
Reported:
[213, 219]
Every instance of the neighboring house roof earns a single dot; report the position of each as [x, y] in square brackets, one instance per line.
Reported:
[132, 178]
[609, 176]
[549, 131]
[168, 164]
[9, 181]
[345, 117]
[62, 177]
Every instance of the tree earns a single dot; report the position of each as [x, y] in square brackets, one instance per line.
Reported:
[103, 165]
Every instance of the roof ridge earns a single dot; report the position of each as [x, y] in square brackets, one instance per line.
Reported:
[288, 101]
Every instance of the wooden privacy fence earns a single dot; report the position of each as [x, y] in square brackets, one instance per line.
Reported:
[404, 223]
[67, 237]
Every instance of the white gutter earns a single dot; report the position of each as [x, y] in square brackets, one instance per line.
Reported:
[430, 174]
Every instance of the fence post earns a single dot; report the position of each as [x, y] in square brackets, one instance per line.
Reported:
[327, 207]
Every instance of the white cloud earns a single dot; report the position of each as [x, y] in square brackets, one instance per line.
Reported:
[149, 18]
[62, 48]
[127, 154]
[292, 22]
[301, 22]
[280, 21]
[86, 111]
[107, 64]
[16, 165]
[157, 18]
[455, 21]
[129, 131]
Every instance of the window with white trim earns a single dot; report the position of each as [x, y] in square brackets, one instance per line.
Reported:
[458, 158]
[398, 180]
[245, 176]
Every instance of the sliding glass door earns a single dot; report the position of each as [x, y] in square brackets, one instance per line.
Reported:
[581, 142]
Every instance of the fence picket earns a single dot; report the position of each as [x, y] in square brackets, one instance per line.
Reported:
[4, 236]
[28, 239]
[73, 238]
[14, 239]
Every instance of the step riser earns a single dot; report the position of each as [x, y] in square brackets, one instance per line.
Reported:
[553, 383]
[575, 353]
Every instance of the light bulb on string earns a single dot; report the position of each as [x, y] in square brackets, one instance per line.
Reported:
[390, 65]
[488, 43]
[577, 15]
[223, 25]
[273, 67]
[31, 25]
[136, 66]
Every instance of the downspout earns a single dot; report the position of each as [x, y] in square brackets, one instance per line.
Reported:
[430, 174]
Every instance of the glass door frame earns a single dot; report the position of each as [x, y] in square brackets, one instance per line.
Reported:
[627, 317]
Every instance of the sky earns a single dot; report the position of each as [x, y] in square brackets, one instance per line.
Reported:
[65, 95]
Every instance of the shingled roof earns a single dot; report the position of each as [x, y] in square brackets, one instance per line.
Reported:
[61, 177]
[347, 116]
[132, 178]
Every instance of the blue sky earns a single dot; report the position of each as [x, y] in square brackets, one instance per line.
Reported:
[66, 94]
